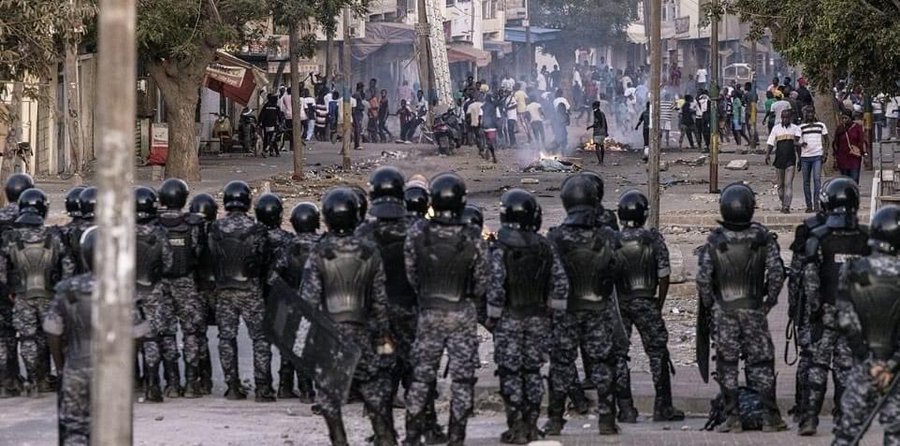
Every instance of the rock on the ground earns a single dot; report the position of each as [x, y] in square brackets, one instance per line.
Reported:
[738, 165]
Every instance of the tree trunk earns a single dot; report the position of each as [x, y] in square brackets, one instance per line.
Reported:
[73, 105]
[296, 123]
[11, 142]
[566, 60]
[329, 58]
[828, 113]
[179, 89]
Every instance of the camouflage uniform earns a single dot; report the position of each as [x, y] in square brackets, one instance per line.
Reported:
[9, 348]
[743, 333]
[205, 281]
[156, 305]
[861, 394]
[453, 328]
[28, 312]
[593, 331]
[276, 240]
[644, 313]
[797, 313]
[71, 233]
[368, 374]
[69, 316]
[233, 303]
[521, 338]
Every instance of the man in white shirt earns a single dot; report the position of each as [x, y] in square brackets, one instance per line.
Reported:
[784, 139]
[535, 117]
[813, 140]
[892, 114]
[286, 107]
[702, 76]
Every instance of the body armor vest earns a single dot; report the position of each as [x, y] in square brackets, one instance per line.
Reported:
[639, 272]
[836, 247]
[234, 258]
[740, 271]
[347, 276]
[527, 259]
[399, 290]
[77, 330]
[296, 261]
[179, 233]
[205, 271]
[587, 265]
[149, 266]
[877, 303]
[35, 265]
[444, 266]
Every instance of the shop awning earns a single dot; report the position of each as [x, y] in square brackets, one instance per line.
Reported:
[465, 52]
[538, 34]
[637, 34]
[497, 46]
[233, 78]
[380, 35]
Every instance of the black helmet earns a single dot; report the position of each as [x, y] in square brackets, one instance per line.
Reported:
[448, 197]
[598, 181]
[173, 193]
[737, 204]
[472, 215]
[386, 192]
[518, 209]
[341, 210]
[305, 218]
[33, 201]
[236, 196]
[87, 202]
[839, 195]
[145, 200]
[417, 200]
[16, 184]
[579, 193]
[269, 210]
[73, 205]
[362, 201]
[204, 204]
[633, 208]
[884, 232]
[87, 245]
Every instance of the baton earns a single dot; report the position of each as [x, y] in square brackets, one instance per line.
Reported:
[875, 411]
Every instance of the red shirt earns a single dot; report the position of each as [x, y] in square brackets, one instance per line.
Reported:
[842, 141]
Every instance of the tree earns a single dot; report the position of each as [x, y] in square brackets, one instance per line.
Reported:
[177, 40]
[581, 23]
[832, 39]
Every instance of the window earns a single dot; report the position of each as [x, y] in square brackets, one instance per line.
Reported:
[488, 9]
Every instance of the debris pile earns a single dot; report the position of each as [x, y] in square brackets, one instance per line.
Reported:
[551, 164]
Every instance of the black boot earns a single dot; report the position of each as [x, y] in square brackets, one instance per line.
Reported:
[434, 432]
[457, 431]
[529, 420]
[607, 425]
[627, 412]
[732, 422]
[580, 402]
[264, 392]
[191, 383]
[515, 434]
[235, 391]
[205, 374]
[286, 383]
[556, 408]
[152, 390]
[662, 407]
[414, 427]
[336, 430]
[173, 379]
[384, 429]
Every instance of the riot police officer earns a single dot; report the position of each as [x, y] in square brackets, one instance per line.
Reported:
[184, 231]
[9, 349]
[288, 266]
[269, 211]
[605, 217]
[33, 258]
[868, 313]
[827, 248]
[154, 259]
[237, 244]
[443, 258]
[591, 321]
[644, 259]
[205, 207]
[528, 282]
[415, 195]
[73, 229]
[739, 278]
[87, 203]
[344, 277]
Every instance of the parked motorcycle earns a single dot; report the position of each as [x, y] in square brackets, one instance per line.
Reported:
[447, 130]
[249, 131]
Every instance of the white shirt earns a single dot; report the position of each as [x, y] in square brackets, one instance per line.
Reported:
[701, 75]
[284, 103]
[563, 101]
[811, 134]
[307, 101]
[534, 111]
[508, 83]
[541, 82]
[892, 107]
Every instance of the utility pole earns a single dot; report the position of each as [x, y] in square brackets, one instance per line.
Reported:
[655, 81]
[714, 98]
[529, 50]
[348, 124]
[71, 92]
[754, 104]
[113, 343]
[423, 31]
[297, 145]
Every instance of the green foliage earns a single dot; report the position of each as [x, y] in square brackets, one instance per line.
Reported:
[582, 23]
[832, 39]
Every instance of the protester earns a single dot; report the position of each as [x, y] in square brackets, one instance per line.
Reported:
[813, 140]
[849, 147]
[784, 140]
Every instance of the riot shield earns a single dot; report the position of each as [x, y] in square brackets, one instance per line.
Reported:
[704, 320]
[311, 341]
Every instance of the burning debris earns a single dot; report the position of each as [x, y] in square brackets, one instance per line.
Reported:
[548, 163]
[609, 144]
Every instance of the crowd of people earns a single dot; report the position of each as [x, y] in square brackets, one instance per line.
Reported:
[405, 274]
